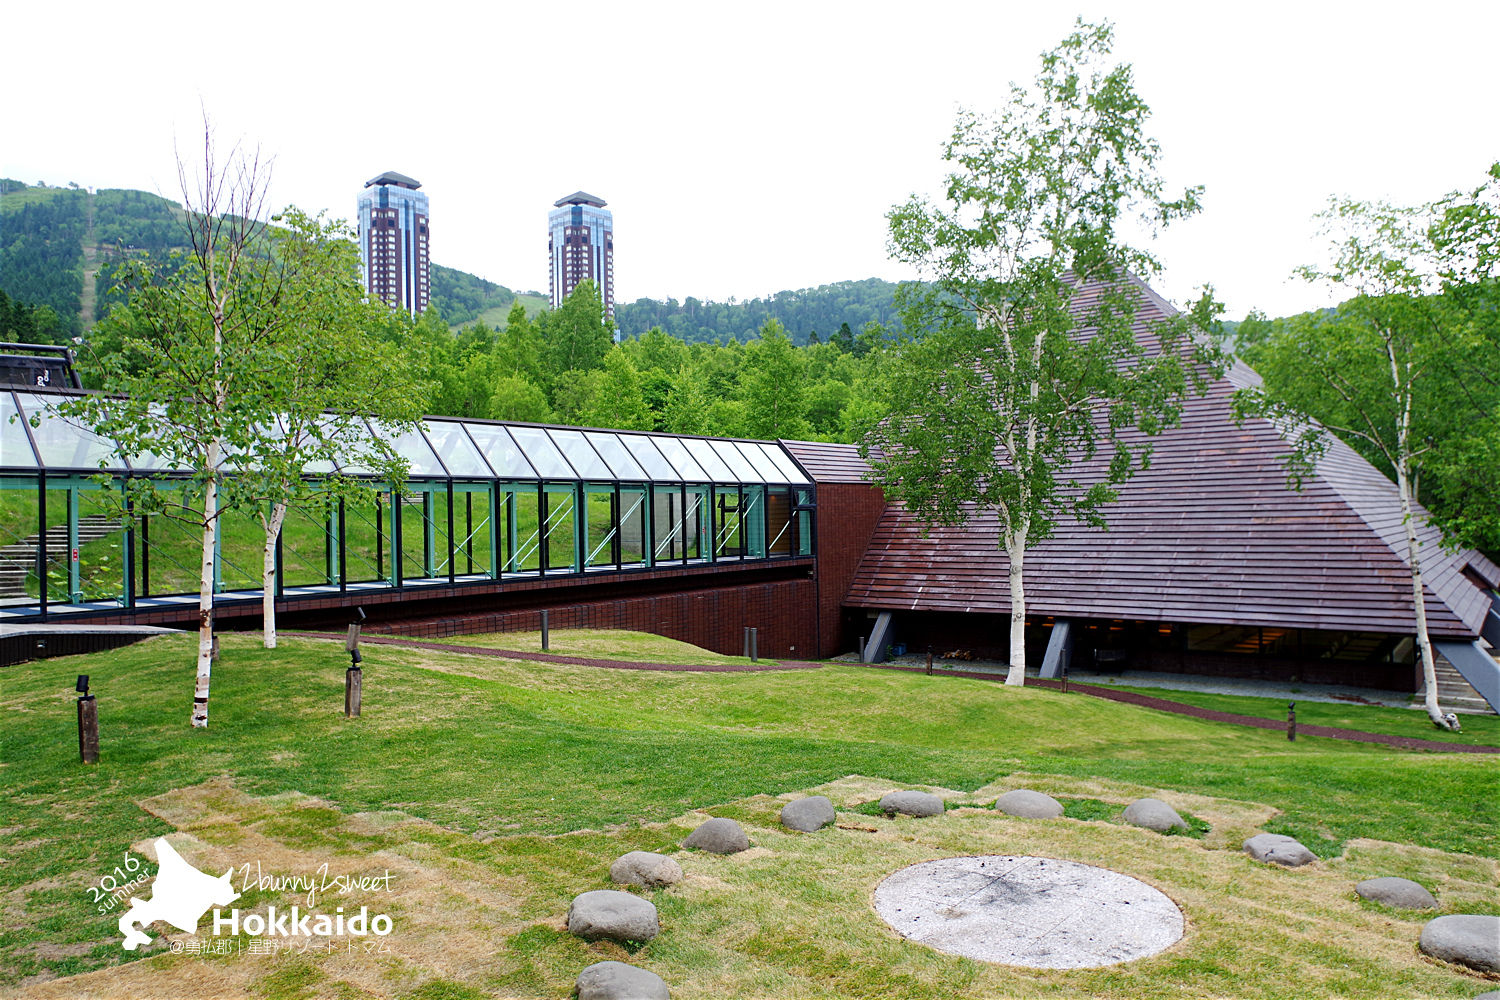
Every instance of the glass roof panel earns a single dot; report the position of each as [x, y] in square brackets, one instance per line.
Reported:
[651, 458]
[677, 454]
[712, 464]
[613, 452]
[743, 470]
[150, 461]
[65, 442]
[413, 447]
[542, 453]
[15, 449]
[503, 455]
[581, 455]
[456, 450]
[763, 465]
[784, 462]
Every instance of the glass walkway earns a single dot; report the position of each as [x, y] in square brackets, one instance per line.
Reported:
[483, 502]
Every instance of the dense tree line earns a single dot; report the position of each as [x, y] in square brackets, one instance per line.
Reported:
[28, 324]
[41, 249]
[462, 297]
[565, 366]
[808, 315]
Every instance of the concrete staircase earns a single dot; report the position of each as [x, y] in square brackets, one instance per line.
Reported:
[1454, 693]
[18, 560]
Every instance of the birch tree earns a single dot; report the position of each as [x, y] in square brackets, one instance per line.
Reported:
[1012, 382]
[1407, 371]
[201, 364]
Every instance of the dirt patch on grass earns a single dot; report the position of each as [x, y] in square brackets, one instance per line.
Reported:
[792, 917]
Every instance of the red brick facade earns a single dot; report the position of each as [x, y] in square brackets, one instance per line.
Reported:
[847, 516]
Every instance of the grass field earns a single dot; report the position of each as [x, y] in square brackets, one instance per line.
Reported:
[639, 647]
[1477, 729]
[494, 790]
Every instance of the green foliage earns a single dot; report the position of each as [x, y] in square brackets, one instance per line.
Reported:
[463, 297]
[1014, 384]
[1407, 372]
[846, 304]
[41, 251]
[772, 386]
[577, 336]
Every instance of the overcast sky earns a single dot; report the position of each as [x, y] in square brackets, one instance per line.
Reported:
[746, 149]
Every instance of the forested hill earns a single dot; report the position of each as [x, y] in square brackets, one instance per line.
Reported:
[802, 312]
[57, 246]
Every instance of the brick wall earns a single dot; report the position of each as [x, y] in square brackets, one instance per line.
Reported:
[847, 515]
[784, 613]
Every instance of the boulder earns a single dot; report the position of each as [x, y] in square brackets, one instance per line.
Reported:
[1397, 892]
[1027, 804]
[808, 815]
[1278, 850]
[1466, 939]
[618, 981]
[610, 913]
[912, 804]
[721, 836]
[645, 868]
[1154, 814]
[1491, 995]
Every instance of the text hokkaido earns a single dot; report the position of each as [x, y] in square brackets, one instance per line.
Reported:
[298, 923]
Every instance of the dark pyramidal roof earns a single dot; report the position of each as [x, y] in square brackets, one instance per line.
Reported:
[1210, 533]
[580, 198]
[391, 177]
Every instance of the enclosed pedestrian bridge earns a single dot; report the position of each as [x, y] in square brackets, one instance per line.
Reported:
[488, 510]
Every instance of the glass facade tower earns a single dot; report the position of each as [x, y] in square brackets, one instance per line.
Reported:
[581, 247]
[393, 241]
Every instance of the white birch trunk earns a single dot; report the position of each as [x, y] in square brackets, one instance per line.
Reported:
[1413, 558]
[1015, 549]
[268, 573]
[206, 599]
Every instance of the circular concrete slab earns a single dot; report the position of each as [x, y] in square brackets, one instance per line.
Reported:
[1037, 912]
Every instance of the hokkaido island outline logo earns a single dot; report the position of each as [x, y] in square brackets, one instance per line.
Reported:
[182, 894]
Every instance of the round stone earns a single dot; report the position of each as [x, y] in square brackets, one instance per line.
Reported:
[1397, 892]
[645, 868]
[610, 913]
[912, 804]
[1025, 803]
[808, 815]
[618, 981]
[1466, 939]
[1035, 912]
[720, 836]
[1154, 814]
[1278, 849]
[1491, 995]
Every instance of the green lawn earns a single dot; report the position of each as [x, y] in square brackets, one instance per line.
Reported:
[485, 761]
[1478, 730]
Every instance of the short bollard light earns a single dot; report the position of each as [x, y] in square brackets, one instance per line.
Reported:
[546, 636]
[754, 645]
[1291, 720]
[88, 722]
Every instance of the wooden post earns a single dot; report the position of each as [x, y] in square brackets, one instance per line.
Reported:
[1291, 720]
[214, 654]
[353, 689]
[354, 676]
[88, 729]
[929, 661]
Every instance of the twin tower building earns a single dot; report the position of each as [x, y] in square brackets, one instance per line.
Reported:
[394, 244]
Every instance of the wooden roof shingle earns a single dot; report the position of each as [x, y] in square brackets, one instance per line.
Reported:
[1209, 533]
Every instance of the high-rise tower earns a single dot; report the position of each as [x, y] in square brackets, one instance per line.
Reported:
[581, 247]
[393, 241]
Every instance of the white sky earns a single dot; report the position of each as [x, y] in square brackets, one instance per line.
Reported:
[745, 149]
